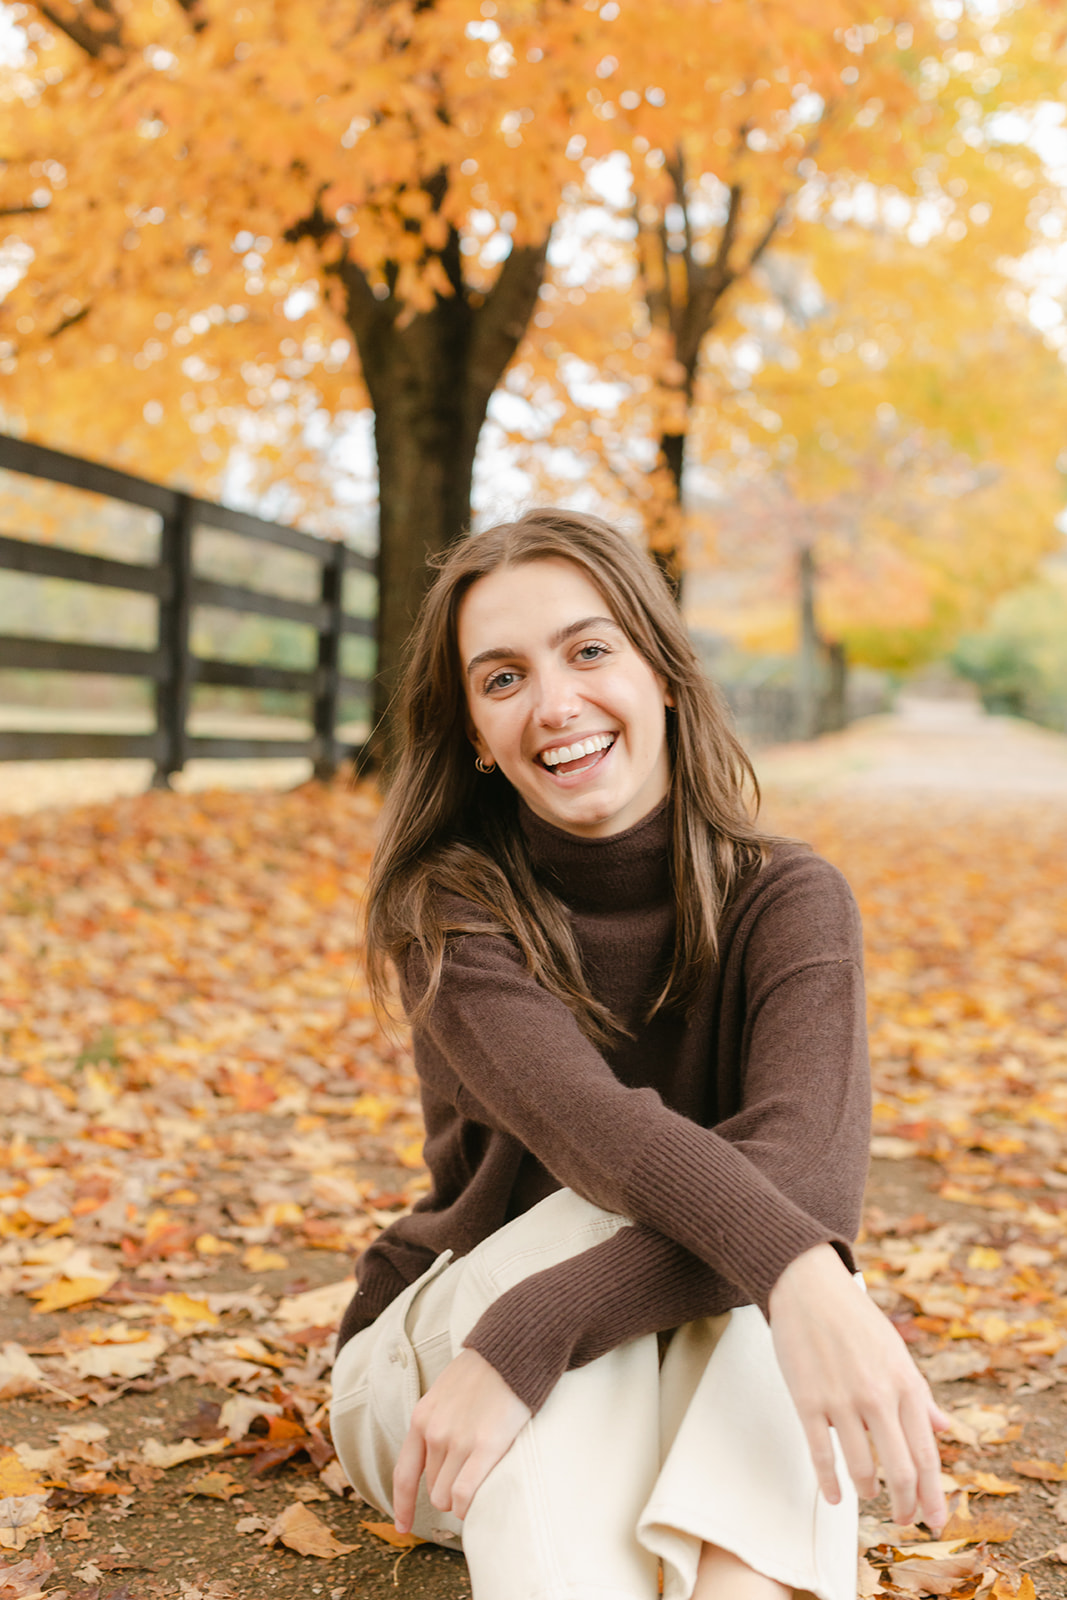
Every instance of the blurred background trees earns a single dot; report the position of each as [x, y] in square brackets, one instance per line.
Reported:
[778, 293]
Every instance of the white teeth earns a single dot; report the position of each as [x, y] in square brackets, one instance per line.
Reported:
[572, 752]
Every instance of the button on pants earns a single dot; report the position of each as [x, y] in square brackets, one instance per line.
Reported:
[630, 1463]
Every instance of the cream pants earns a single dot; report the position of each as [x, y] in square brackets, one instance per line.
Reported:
[630, 1463]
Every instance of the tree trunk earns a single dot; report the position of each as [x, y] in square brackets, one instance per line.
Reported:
[430, 378]
[670, 559]
[808, 657]
[835, 701]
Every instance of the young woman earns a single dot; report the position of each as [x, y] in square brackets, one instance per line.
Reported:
[620, 1341]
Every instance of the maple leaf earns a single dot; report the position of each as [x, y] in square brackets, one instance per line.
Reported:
[301, 1530]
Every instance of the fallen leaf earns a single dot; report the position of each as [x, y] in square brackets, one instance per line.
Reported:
[252, 1524]
[940, 1576]
[19, 1581]
[988, 1527]
[301, 1530]
[158, 1454]
[333, 1476]
[1046, 1471]
[978, 1425]
[89, 1572]
[948, 1366]
[240, 1411]
[15, 1478]
[216, 1485]
[257, 1258]
[76, 1528]
[392, 1535]
[987, 1483]
[19, 1372]
[131, 1359]
[22, 1518]
[62, 1293]
[316, 1308]
[185, 1313]
[1005, 1589]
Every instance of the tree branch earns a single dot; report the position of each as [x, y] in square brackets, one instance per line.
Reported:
[69, 322]
[499, 325]
[711, 283]
[95, 42]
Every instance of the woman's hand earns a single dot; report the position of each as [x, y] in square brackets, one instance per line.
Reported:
[464, 1424]
[848, 1368]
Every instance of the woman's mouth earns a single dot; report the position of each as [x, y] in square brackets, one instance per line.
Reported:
[579, 756]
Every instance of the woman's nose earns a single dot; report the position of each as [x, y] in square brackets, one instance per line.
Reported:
[557, 700]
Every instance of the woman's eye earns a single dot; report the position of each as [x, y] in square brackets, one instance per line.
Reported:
[592, 652]
[500, 680]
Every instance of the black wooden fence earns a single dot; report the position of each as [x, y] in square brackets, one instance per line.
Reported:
[171, 666]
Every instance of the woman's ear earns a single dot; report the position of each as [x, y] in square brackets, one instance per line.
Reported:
[475, 738]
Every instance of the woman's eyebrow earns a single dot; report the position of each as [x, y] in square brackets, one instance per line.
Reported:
[503, 653]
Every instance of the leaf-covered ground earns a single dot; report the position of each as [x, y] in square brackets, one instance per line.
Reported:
[202, 1122]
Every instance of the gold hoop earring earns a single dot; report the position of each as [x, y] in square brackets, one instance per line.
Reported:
[484, 766]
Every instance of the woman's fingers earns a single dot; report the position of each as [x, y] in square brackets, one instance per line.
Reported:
[855, 1445]
[406, 1474]
[918, 1415]
[822, 1455]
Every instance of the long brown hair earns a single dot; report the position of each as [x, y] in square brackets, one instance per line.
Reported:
[448, 829]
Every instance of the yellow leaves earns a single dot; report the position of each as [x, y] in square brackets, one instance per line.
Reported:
[389, 1534]
[301, 1530]
[15, 1479]
[63, 1293]
[1013, 1587]
[984, 1483]
[185, 1313]
[989, 1527]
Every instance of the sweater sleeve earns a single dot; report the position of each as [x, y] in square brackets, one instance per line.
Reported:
[813, 1147]
[744, 1199]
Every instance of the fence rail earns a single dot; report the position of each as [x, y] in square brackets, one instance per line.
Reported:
[171, 666]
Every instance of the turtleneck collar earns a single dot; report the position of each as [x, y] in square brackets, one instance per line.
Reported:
[623, 872]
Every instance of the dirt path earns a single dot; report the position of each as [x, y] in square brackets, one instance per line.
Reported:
[947, 747]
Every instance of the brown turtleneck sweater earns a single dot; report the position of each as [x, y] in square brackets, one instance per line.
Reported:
[733, 1135]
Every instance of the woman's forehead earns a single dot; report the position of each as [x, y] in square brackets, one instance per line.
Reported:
[530, 601]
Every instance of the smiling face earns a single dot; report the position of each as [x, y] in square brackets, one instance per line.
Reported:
[560, 700]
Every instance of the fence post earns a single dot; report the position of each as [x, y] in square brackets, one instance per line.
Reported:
[172, 692]
[328, 674]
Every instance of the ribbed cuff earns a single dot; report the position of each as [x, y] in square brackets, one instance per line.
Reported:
[736, 1221]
